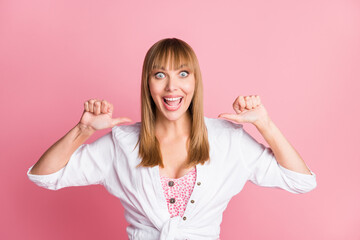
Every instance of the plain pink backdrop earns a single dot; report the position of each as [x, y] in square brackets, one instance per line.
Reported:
[301, 57]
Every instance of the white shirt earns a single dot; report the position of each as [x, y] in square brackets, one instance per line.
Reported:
[235, 158]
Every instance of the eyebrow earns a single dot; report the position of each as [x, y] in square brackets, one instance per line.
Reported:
[162, 68]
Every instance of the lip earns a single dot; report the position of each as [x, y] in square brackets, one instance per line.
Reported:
[171, 108]
[172, 96]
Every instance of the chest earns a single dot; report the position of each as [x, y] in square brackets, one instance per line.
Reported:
[174, 155]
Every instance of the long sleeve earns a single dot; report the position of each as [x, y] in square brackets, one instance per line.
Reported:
[267, 172]
[89, 164]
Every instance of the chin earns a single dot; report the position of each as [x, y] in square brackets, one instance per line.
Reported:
[174, 116]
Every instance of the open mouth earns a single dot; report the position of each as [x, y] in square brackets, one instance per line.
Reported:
[172, 103]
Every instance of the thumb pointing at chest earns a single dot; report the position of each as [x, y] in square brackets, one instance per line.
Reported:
[120, 120]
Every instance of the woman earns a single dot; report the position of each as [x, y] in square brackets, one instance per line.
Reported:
[176, 170]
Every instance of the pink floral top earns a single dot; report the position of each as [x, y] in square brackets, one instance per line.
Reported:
[178, 191]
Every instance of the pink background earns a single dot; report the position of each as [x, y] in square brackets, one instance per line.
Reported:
[301, 57]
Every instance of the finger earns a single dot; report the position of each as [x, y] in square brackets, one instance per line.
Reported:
[86, 106]
[248, 102]
[236, 105]
[91, 105]
[97, 108]
[242, 103]
[103, 106]
[120, 120]
[228, 116]
[111, 108]
[254, 101]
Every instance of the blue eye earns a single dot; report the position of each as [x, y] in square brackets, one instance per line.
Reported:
[159, 75]
[184, 75]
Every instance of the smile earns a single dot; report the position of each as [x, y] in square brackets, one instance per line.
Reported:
[172, 104]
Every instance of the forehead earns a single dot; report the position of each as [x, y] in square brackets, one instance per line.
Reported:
[168, 67]
[171, 61]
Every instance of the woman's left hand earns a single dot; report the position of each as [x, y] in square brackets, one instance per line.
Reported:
[248, 109]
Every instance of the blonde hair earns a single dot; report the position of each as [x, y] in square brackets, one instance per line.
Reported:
[175, 52]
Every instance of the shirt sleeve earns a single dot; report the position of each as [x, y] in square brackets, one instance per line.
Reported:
[265, 171]
[88, 165]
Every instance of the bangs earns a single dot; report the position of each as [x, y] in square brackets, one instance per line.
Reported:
[175, 55]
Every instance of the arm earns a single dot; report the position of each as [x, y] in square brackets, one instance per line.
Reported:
[277, 166]
[58, 155]
[284, 153]
[97, 115]
[249, 109]
[70, 162]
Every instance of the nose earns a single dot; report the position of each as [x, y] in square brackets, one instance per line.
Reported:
[171, 84]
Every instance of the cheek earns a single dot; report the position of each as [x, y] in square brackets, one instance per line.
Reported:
[189, 87]
[154, 88]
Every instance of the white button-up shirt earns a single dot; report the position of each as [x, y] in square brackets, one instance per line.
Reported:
[235, 158]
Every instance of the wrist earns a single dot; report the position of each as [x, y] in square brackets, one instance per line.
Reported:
[85, 129]
[263, 124]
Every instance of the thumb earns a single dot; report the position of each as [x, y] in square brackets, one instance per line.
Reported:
[120, 120]
[229, 116]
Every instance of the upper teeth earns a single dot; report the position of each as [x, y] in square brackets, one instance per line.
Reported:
[173, 99]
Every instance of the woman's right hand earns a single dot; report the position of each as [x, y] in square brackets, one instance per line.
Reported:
[97, 115]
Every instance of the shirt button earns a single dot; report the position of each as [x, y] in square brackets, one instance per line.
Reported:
[198, 183]
[184, 218]
[172, 200]
[192, 201]
[171, 183]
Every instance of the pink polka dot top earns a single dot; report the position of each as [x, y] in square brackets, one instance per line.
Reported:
[178, 191]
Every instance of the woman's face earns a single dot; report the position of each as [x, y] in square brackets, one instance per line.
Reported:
[172, 91]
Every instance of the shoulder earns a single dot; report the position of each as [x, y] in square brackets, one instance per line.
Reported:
[222, 131]
[127, 133]
[132, 128]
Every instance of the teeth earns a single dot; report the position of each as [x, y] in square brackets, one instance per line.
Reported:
[172, 99]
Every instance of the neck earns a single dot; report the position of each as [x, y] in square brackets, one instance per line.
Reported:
[166, 128]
